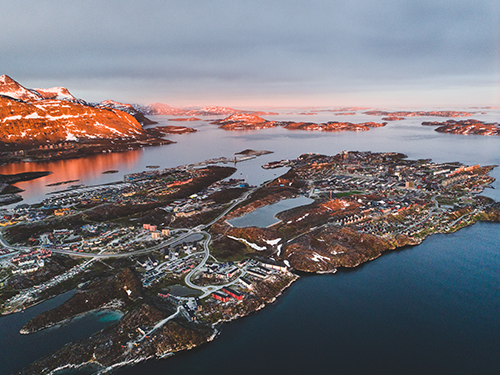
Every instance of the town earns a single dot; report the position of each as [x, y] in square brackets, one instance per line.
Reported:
[163, 236]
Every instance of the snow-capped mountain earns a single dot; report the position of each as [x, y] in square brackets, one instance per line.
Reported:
[159, 109]
[128, 108]
[58, 93]
[54, 115]
[11, 88]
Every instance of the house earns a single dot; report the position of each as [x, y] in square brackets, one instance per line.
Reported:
[277, 267]
[233, 293]
[246, 283]
[220, 296]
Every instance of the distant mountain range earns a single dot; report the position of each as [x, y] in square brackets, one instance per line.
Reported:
[50, 115]
[164, 109]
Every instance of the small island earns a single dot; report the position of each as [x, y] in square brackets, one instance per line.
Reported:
[253, 122]
[185, 119]
[392, 118]
[170, 129]
[470, 126]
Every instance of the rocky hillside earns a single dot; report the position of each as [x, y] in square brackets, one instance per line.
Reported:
[469, 126]
[54, 115]
[128, 108]
[51, 121]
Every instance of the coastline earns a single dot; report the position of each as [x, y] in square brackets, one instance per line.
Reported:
[215, 326]
[354, 247]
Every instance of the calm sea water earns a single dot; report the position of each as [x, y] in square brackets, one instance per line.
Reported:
[430, 309]
[265, 216]
[18, 351]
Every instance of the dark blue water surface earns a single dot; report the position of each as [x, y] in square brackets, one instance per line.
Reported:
[18, 351]
[430, 309]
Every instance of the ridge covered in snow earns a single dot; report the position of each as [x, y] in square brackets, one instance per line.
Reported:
[58, 93]
[54, 115]
[13, 89]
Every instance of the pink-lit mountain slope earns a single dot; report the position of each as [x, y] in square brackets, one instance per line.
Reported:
[27, 116]
[128, 108]
[165, 109]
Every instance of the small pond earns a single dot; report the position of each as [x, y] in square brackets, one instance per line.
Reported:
[265, 216]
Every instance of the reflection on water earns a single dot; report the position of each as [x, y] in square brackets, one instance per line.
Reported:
[407, 136]
[86, 169]
[436, 301]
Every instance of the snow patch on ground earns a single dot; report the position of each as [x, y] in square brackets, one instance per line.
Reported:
[252, 245]
[71, 137]
[279, 249]
[303, 217]
[12, 118]
[317, 258]
[272, 242]
[33, 115]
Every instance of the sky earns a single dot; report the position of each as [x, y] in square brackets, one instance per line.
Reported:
[258, 53]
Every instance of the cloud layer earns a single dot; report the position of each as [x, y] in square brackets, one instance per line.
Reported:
[258, 52]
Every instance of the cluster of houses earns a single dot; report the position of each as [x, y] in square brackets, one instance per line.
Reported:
[255, 272]
[21, 212]
[226, 294]
[30, 261]
[366, 171]
[155, 233]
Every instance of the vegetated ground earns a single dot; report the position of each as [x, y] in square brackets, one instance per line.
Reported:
[226, 249]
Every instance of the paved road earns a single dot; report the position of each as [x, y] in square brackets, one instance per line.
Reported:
[235, 202]
[198, 229]
[187, 280]
[14, 249]
[160, 324]
[128, 254]
[207, 290]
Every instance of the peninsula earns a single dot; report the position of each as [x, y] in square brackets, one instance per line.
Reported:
[160, 248]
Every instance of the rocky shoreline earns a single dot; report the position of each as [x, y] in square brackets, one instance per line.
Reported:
[176, 335]
[343, 230]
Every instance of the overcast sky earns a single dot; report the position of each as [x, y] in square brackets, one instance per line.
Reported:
[258, 53]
